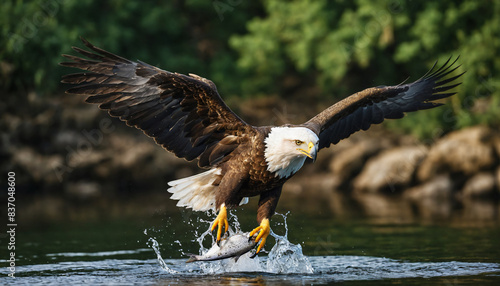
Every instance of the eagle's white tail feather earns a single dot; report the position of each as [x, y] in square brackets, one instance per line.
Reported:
[196, 192]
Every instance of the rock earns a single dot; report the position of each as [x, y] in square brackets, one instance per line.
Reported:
[11, 123]
[497, 179]
[77, 115]
[389, 208]
[142, 159]
[83, 190]
[439, 188]
[321, 183]
[67, 140]
[391, 169]
[465, 151]
[479, 212]
[315, 194]
[349, 162]
[85, 158]
[496, 143]
[41, 168]
[432, 199]
[480, 185]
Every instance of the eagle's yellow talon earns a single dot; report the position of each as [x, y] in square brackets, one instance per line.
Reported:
[264, 229]
[261, 244]
[221, 221]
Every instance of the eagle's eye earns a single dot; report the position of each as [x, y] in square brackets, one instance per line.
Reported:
[298, 142]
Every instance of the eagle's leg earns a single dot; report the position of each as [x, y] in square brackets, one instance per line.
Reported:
[221, 221]
[267, 205]
[264, 229]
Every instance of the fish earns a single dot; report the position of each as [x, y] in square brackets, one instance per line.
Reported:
[232, 246]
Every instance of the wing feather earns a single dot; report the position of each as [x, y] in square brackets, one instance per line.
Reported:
[373, 105]
[183, 113]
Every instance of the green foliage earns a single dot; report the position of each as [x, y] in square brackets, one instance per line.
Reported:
[284, 47]
[183, 36]
[350, 45]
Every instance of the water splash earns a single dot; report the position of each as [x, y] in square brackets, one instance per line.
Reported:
[163, 264]
[284, 257]
[200, 240]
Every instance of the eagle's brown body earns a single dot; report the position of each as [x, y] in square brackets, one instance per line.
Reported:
[186, 115]
[246, 175]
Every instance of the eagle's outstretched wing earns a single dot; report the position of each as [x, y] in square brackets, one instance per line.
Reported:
[373, 105]
[184, 114]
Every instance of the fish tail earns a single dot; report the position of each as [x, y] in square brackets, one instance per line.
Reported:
[192, 258]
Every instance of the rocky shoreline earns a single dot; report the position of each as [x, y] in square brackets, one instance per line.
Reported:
[458, 174]
[62, 148]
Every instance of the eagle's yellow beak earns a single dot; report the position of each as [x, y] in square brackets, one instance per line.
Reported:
[310, 152]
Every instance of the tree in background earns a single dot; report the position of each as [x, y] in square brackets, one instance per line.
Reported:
[300, 48]
[182, 36]
[344, 46]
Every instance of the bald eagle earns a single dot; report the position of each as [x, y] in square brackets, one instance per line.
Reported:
[186, 115]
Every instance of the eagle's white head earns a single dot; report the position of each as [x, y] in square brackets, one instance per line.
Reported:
[287, 149]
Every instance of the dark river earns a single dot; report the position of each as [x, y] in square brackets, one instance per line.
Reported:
[308, 249]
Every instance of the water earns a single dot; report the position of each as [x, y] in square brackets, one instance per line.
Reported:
[302, 250]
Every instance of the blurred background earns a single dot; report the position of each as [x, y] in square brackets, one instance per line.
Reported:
[273, 62]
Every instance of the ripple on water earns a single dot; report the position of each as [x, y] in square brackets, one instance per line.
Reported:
[288, 258]
[285, 262]
[284, 258]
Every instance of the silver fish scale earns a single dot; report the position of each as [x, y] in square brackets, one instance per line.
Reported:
[233, 246]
